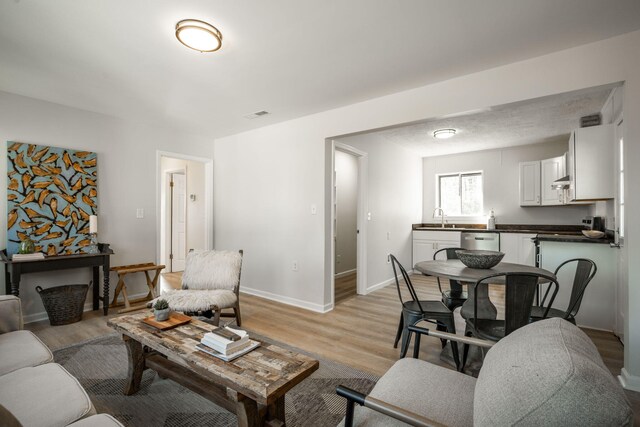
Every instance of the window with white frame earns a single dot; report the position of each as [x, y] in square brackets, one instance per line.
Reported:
[460, 194]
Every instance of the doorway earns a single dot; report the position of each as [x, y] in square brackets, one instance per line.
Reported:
[348, 231]
[184, 208]
[345, 225]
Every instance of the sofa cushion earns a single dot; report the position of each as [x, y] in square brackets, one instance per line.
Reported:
[438, 393]
[99, 420]
[10, 314]
[21, 349]
[46, 395]
[548, 373]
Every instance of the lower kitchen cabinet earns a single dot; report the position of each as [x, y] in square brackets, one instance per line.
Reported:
[598, 304]
[426, 243]
[518, 248]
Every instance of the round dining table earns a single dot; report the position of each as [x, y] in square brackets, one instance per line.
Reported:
[454, 269]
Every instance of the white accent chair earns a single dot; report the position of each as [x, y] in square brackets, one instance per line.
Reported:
[210, 284]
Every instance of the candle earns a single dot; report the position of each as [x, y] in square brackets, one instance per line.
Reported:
[93, 224]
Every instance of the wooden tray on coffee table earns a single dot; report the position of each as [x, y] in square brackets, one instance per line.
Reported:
[175, 319]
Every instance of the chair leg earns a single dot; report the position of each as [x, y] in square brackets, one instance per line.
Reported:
[442, 328]
[216, 315]
[451, 328]
[236, 310]
[405, 344]
[416, 346]
[399, 333]
[465, 353]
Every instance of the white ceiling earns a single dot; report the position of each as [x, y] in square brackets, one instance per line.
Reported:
[550, 118]
[289, 57]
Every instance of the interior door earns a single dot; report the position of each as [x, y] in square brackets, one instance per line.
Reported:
[178, 221]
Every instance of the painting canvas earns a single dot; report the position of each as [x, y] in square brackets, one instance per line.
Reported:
[51, 193]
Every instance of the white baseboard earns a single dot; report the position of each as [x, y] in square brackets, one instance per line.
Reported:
[345, 273]
[88, 306]
[318, 308]
[384, 283]
[628, 381]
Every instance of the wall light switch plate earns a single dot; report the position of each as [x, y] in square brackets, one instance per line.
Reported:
[368, 216]
[139, 213]
[314, 209]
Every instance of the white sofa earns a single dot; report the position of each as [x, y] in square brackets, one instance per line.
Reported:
[35, 391]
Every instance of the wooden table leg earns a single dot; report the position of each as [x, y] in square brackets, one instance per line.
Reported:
[246, 410]
[105, 290]
[96, 287]
[486, 309]
[275, 413]
[136, 365]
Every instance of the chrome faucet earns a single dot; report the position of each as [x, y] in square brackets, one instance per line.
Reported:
[441, 215]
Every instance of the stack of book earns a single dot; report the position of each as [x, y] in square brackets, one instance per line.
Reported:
[226, 343]
[27, 257]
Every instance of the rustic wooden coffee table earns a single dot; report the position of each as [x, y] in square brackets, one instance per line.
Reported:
[252, 386]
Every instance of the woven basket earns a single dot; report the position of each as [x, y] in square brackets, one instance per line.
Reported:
[64, 304]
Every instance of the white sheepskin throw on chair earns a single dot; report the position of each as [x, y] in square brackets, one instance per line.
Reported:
[198, 300]
[212, 270]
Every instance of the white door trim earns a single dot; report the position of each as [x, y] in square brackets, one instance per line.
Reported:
[361, 222]
[208, 196]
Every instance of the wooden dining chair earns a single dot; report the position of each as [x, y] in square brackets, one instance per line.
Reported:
[414, 310]
[520, 290]
[585, 271]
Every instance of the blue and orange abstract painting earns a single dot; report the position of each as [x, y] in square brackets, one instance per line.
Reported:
[51, 193]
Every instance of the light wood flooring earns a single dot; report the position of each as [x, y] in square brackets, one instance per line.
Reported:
[359, 332]
[345, 287]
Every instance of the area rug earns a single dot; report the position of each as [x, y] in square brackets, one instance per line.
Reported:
[100, 365]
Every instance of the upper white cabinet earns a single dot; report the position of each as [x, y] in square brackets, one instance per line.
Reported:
[427, 242]
[535, 182]
[530, 183]
[590, 163]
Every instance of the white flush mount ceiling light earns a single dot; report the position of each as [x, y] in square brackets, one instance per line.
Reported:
[444, 133]
[198, 35]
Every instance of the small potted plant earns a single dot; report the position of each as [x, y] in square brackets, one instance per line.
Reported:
[161, 310]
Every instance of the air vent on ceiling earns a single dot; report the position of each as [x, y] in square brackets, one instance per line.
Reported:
[256, 114]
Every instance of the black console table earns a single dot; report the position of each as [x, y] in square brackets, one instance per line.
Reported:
[15, 269]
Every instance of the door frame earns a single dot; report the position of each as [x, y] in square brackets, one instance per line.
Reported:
[361, 221]
[208, 197]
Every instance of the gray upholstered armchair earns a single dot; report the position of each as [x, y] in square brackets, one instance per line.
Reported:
[545, 373]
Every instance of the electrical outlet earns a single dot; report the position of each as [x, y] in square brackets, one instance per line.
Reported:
[294, 266]
[388, 235]
[388, 258]
[139, 213]
[338, 259]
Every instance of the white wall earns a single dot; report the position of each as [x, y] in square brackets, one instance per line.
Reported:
[347, 210]
[501, 183]
[126, 180]
[265, 180]
[395, 203]
[195, 176]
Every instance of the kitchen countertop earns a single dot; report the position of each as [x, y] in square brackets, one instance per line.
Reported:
[546, 233]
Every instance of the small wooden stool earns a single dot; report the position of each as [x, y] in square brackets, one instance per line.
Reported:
[122, 271]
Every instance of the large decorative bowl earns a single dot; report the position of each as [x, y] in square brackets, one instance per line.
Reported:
[593, 234]
[480, 259]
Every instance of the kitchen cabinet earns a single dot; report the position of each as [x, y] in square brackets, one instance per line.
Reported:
[598, 304]
[518, 248]
[591, 163]
[536, 178]
[427, 242]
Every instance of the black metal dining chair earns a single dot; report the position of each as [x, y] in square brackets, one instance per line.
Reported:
[455, 296]
[585, 271]
[415, 310]
[520, 290]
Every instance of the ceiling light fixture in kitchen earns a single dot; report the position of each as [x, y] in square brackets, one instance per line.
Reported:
[198, 35]
[444, 133]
